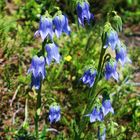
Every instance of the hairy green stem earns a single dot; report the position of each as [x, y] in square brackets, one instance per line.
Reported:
[92, 91]
[38, 103]
[36, 118]
[99, 70]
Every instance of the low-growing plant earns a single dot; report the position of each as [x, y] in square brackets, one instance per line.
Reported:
[96, 110]
[78, 85]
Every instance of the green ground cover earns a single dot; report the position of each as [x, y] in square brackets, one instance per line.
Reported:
[18, 22]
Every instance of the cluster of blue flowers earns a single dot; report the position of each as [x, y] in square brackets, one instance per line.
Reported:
[99, 113]
[110, 39]
[113, 41]
[89, 76]
[47, 29]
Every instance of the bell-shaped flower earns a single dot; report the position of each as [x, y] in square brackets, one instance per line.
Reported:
[121, 54]
[111, 39]
[83, 13]
[58, 23]
[54, 113]
[101, 133]
[36, 81]
[37, 67]
[89, 77]
[107, 107]
[111, 70]
[96, 115]
[45, 28]
[61, 25]
[52, 53]
[66, 28]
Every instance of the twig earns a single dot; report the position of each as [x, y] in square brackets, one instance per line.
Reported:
[14, 96]
[14, 115]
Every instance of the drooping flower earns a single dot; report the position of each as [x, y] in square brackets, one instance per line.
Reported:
[36, 82]
[45, 28]
[52, 53]
[106, 106]
[58, 23]
[61, 25]
[112, 39]
[121, 54]
[83, 13]
[101, 133]
[54, 113]
[89, 77]
[110, 70]
[96, 114]
[37, 67]
[66, 28]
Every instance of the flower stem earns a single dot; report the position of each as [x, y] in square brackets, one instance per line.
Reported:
[36, 118]
[38, 103]
[92, 91]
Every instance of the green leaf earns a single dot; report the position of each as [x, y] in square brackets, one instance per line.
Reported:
[38, 111]
[116, 21]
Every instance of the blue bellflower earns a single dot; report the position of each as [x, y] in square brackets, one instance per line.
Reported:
[101, 133]
[110, 70]
[112, 39]
[37, 69]
[54, 113]
[45, 28]
[66, 28]
[121, 55]
[58, 23]
[89, 77]
[61, 25]
[83, 13]
[96, 114]
[36, 81]
[52, 53]
[107, 107]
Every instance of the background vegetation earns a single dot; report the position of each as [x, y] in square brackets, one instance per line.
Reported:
[18, 22]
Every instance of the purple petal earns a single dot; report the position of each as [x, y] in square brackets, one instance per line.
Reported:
[115, 75]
